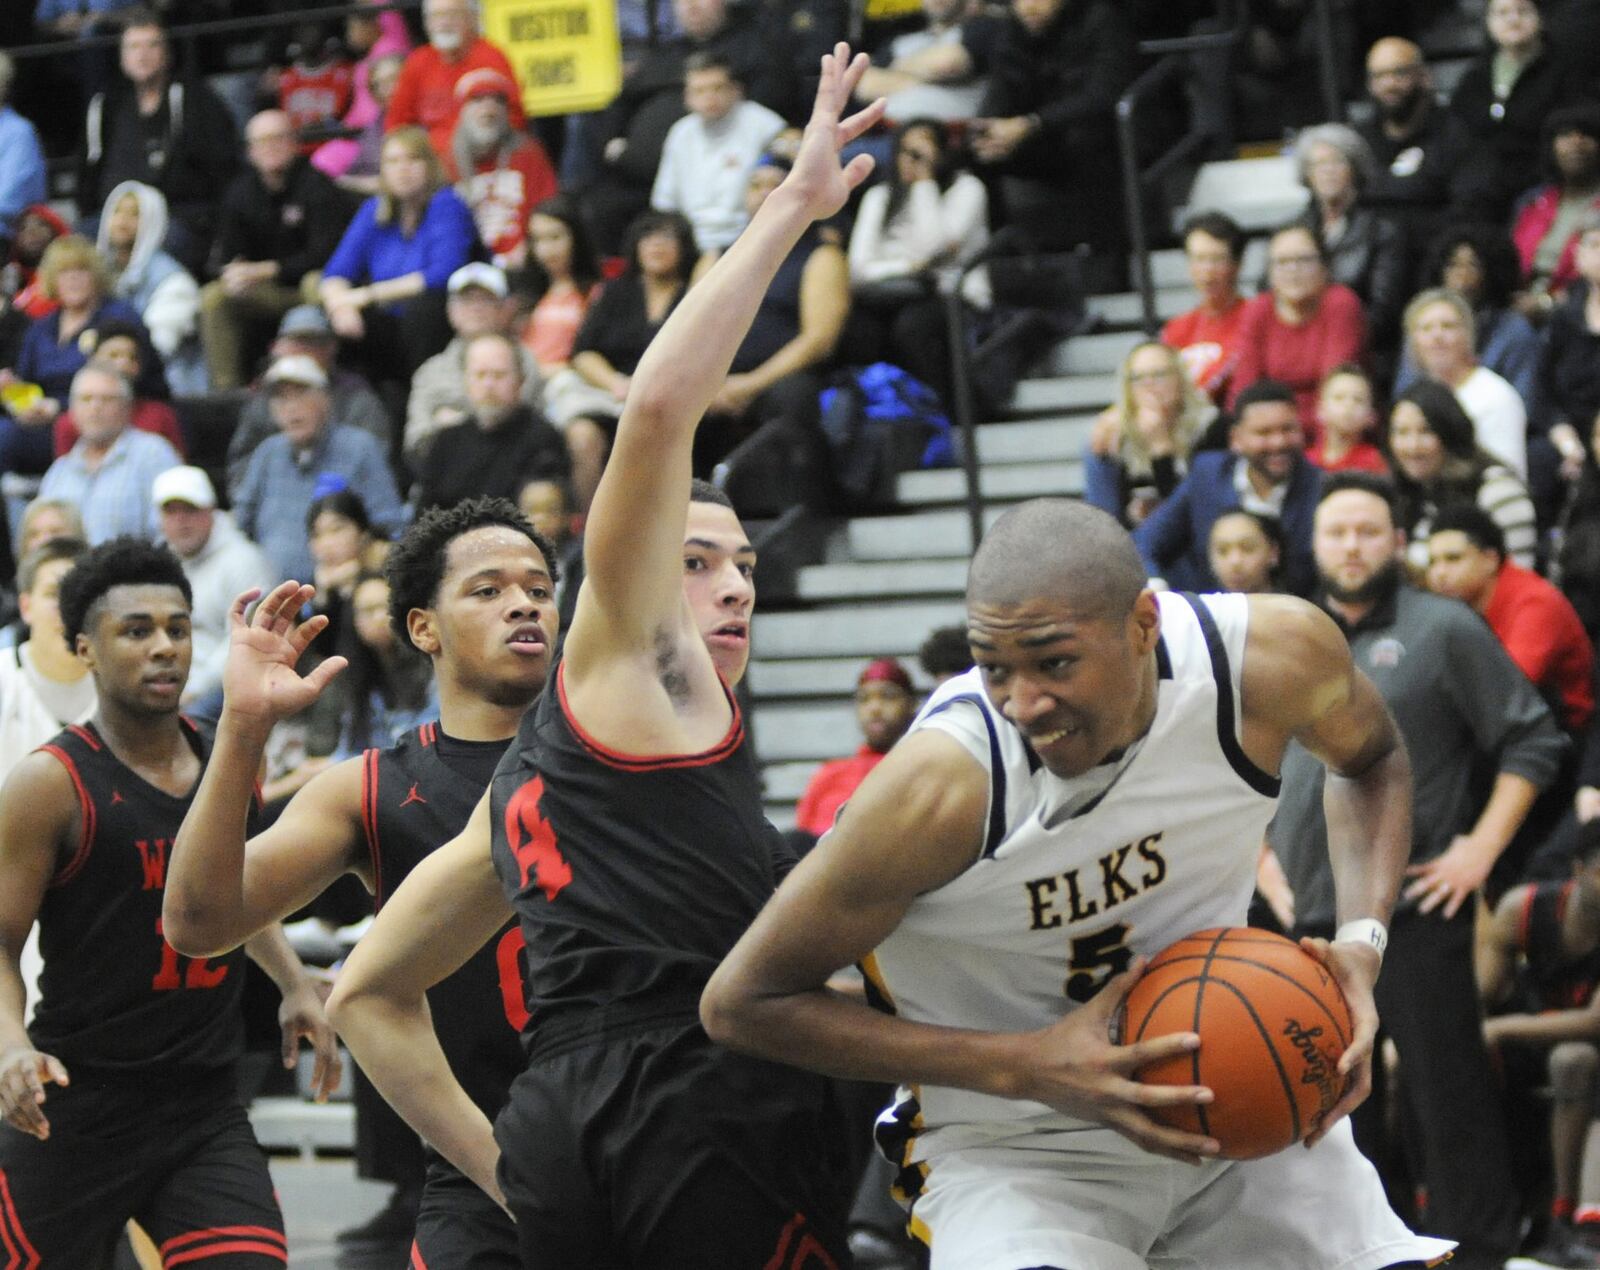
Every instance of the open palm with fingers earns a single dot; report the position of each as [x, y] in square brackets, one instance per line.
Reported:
[818, 178]
[261, 680]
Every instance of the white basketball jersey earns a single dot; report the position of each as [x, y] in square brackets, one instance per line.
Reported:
[1077, 877]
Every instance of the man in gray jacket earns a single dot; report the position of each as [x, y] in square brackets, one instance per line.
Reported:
[1482, 745]
[219, 562]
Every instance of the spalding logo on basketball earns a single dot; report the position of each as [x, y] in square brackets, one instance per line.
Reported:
[1273, 1025]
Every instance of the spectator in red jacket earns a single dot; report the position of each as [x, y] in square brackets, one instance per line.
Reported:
[1546, 227]
[1207, 337]
[885, 705]
[121, 345]
[426, 93]
[502, 172]
[1301, 327]
[1536, 623]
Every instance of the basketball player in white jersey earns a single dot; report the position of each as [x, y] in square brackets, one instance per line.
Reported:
[1094, 788]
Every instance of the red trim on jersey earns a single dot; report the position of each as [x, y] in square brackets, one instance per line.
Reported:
[1525, 918]
[652, 762]
[428, 733]
[220, 1241]
[72, 867]
[369, 822]
[1567, 889]
[417, 1263]
[20, 1254]
[805, 1250]
[86, 736]
[221, 1232]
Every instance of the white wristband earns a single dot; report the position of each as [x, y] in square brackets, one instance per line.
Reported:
[1365, 930]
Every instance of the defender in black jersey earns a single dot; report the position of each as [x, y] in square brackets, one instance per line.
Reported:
[1538, 963]
[472, 587]
[627, 834]
[138, 1040]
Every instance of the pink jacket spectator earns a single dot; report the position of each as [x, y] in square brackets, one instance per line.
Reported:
[333, 158]
[1532, 223]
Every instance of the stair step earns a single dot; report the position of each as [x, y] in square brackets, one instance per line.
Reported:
[1080, 392]
[1090, 354]
[819, 676]
[1034, 440]
[876, 630]
[995, 481]
[1260, 194]
[920, 536]
[785, 782]
[814, 732]
[865, 579]
[1126, 309]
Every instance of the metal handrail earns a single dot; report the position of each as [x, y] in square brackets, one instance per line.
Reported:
[1135, 182]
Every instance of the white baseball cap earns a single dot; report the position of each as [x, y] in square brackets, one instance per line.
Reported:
[478, 274]
[183, 485]
[295, 369]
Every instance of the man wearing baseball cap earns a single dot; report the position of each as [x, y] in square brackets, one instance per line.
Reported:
[284, 473]
[219, 562]
[502, 172]
[425, 94]
[477, 306]
[886, 703]
[306, 331]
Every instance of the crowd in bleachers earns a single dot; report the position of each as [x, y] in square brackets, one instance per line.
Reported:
[324, 285]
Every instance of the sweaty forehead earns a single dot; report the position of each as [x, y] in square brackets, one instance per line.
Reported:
[1041, 620]
[492, 546]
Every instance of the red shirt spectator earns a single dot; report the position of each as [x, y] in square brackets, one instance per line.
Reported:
[504, 173]
[315, 95]
[426, 93]
[1300, 356]
[1208, 343]
[1531, 617]
[1361, 457]
[885, 706]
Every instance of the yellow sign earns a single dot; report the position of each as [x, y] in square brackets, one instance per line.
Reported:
[887, 10]
[566, 53]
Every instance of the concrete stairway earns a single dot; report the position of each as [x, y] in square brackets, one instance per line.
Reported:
[887, 581]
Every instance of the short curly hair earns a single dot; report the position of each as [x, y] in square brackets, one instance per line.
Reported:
[416, 563]
[124, 561]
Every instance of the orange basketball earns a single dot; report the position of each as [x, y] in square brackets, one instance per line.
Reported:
[1272, 1024]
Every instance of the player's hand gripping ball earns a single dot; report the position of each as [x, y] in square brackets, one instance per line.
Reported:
[1272, 1024]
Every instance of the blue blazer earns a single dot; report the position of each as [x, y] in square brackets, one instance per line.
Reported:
[1173, 540]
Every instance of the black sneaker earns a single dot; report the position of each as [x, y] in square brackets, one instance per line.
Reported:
[394, 1223]
[1560, 1250]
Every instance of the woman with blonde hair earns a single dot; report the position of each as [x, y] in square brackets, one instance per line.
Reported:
[1441, 332]
[384, 285]
[1158, 417]
[57, 346]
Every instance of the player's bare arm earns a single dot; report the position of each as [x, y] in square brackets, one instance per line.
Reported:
[633, 627]
[1495, 958]
[1300, 683]
[39, 817]
[915, 823]
[220, 891]
[448, 907]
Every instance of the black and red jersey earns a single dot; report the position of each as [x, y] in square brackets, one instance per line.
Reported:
[1552, 979]
[415, 797]
[114, 994]
[632, 876]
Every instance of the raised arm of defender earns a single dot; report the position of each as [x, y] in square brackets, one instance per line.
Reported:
[632, 601]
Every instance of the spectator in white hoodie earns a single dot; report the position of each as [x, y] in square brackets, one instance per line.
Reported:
[220, 562]
[133, 224]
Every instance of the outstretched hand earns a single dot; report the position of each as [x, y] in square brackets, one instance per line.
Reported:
[259, 681]
[818, 178]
